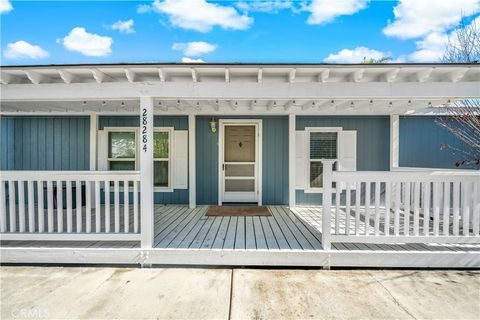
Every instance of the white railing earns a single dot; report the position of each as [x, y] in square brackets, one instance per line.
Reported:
[69, 205]
[401, 206]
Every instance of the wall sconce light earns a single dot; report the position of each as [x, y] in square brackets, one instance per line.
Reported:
[213, 125]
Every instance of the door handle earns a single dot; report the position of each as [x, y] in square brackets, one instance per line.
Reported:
[223, 167]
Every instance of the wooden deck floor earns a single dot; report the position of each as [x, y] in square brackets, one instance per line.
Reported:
[178, 227]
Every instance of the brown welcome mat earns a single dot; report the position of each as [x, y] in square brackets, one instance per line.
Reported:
[237, 211]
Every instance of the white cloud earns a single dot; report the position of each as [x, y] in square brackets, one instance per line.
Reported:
[143, 8]
[189, 60]
[195, 48]
[89, 44]
[264, 6]
[430, 49]
[201, 16]
[325, 11]
[356, 55]
[123, 26]
[5, 6]
[24, 50]
[418, 18]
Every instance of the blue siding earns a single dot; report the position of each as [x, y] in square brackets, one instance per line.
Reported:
[45, 143]
[420, 140]
[178, 196]
[178, 122]
[274, 157]
[6, 143]
[373, 143]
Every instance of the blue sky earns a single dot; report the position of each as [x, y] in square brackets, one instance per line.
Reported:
[46, 32]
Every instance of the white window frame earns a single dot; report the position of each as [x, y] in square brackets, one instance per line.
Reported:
[309, 130]
[170, 131]
[136, 130]
[122, 129]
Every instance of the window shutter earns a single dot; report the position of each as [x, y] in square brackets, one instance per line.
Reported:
[102, 156]
[179, 159]
[348, 153]
[300, 160]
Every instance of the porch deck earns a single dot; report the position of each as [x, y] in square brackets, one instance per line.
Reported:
[178, 227]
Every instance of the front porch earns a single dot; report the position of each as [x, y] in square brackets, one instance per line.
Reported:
[287, 238]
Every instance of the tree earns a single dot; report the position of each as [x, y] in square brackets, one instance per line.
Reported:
[464, 42]
[463, 121]
[373, 60]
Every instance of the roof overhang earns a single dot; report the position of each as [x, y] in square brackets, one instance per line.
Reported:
[239, 88]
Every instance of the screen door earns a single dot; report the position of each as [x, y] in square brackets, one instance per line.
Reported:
[240, 163]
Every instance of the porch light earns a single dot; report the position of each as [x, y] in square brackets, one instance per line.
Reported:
[213, 125]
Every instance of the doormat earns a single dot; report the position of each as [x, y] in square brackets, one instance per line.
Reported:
[237, 211]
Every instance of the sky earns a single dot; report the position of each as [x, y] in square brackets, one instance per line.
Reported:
[317, 31]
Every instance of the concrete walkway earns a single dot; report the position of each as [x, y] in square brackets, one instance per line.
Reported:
[173, 293]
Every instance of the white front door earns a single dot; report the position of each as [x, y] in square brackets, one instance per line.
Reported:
[239, 161]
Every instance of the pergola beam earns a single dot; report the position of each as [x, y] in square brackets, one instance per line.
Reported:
[100, 76]
[66, 76]
[131, 75]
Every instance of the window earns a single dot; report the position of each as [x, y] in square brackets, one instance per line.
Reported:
[161, 158]
[323, 146]
[123, 153]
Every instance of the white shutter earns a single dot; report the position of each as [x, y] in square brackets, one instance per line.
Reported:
[300, 160]
[102, 151]
[179, 160]
[348, 153]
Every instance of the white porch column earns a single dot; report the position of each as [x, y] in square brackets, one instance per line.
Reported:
[146, 171]
[291, 160]
[191, 162]
[93, 141]
[394, 140]
[327, 203]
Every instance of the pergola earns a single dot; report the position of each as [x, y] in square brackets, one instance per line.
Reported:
[310, 89]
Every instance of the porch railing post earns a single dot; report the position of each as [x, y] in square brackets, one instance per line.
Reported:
[327, 203]
[146, 172]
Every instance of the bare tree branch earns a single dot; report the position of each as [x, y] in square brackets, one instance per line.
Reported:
[463, 43]
[463, 121]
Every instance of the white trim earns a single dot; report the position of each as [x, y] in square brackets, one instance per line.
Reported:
[394, 141]
[404, 239]
[70, 236]
[291, 160]
[309, 130]
[192, 183]
[93, 141]
[258, 159]
[334, 258]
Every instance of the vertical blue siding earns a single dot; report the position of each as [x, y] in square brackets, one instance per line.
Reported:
[274, 158]
[420, 140]
[373, 143]
[45, 143]
[178, 196]
[7, 139]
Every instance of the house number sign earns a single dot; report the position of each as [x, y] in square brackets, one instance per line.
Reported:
[144, 129]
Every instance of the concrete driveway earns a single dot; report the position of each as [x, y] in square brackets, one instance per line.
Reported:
[194, 293]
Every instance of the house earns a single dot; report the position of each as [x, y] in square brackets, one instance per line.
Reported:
[119, 163]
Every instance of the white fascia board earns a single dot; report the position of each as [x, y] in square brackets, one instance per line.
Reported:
[231, 90]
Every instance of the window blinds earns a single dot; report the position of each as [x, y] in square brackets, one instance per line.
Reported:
[323, 145]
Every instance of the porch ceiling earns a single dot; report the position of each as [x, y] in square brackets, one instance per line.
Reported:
[230, 106]
[236, 88]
